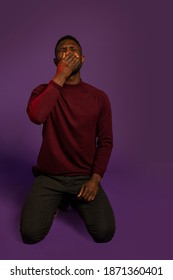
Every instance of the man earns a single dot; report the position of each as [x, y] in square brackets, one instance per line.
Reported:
[76, 146]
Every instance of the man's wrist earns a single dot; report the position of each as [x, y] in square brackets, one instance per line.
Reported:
[59, 79]
[96, 178]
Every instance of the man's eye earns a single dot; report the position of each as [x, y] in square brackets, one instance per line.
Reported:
[61, 50]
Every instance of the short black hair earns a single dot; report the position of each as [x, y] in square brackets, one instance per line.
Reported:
[67, 37]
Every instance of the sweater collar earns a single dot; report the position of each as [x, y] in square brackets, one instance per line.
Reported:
[73, 86]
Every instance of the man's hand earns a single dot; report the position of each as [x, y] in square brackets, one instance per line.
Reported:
[66, 65]
[89, 190]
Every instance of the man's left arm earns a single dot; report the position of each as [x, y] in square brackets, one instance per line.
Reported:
[89, 191]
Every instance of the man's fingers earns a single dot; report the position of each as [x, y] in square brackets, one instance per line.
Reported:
[91, 198]
[84, 193]
[81, 191]
[71, 59]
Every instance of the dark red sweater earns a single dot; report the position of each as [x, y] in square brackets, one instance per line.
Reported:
[77, 128]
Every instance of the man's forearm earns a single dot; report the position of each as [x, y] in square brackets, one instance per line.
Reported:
[59, 79]
[42, 101]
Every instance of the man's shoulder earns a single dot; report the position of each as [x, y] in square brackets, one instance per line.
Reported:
[40, 87]
[94, 90]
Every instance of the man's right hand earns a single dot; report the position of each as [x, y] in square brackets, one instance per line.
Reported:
[66, 65]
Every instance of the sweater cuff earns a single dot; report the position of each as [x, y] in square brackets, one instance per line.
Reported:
[55, 85]
[97, 171]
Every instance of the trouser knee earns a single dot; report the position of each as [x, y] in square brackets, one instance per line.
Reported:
[29, 236]
[104, 235]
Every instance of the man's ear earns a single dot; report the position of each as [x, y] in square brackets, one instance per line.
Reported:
[55, 61]
[83, 59]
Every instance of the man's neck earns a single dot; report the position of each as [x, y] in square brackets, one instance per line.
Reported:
[73, 80]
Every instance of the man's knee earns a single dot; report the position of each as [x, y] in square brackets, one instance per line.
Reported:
[31, 235]
[104, 234]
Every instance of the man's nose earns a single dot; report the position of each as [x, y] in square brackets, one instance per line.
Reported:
[68, 51]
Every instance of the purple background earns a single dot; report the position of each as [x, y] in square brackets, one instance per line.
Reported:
[128, 51]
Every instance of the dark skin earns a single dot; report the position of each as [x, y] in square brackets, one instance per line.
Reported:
[69, 61]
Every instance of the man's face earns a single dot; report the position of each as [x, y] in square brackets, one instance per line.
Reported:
[67, 47]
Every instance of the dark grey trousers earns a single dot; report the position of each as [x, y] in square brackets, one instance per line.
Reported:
[48, 193]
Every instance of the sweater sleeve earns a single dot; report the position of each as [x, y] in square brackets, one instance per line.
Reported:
[104, 138]
[42, 101]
